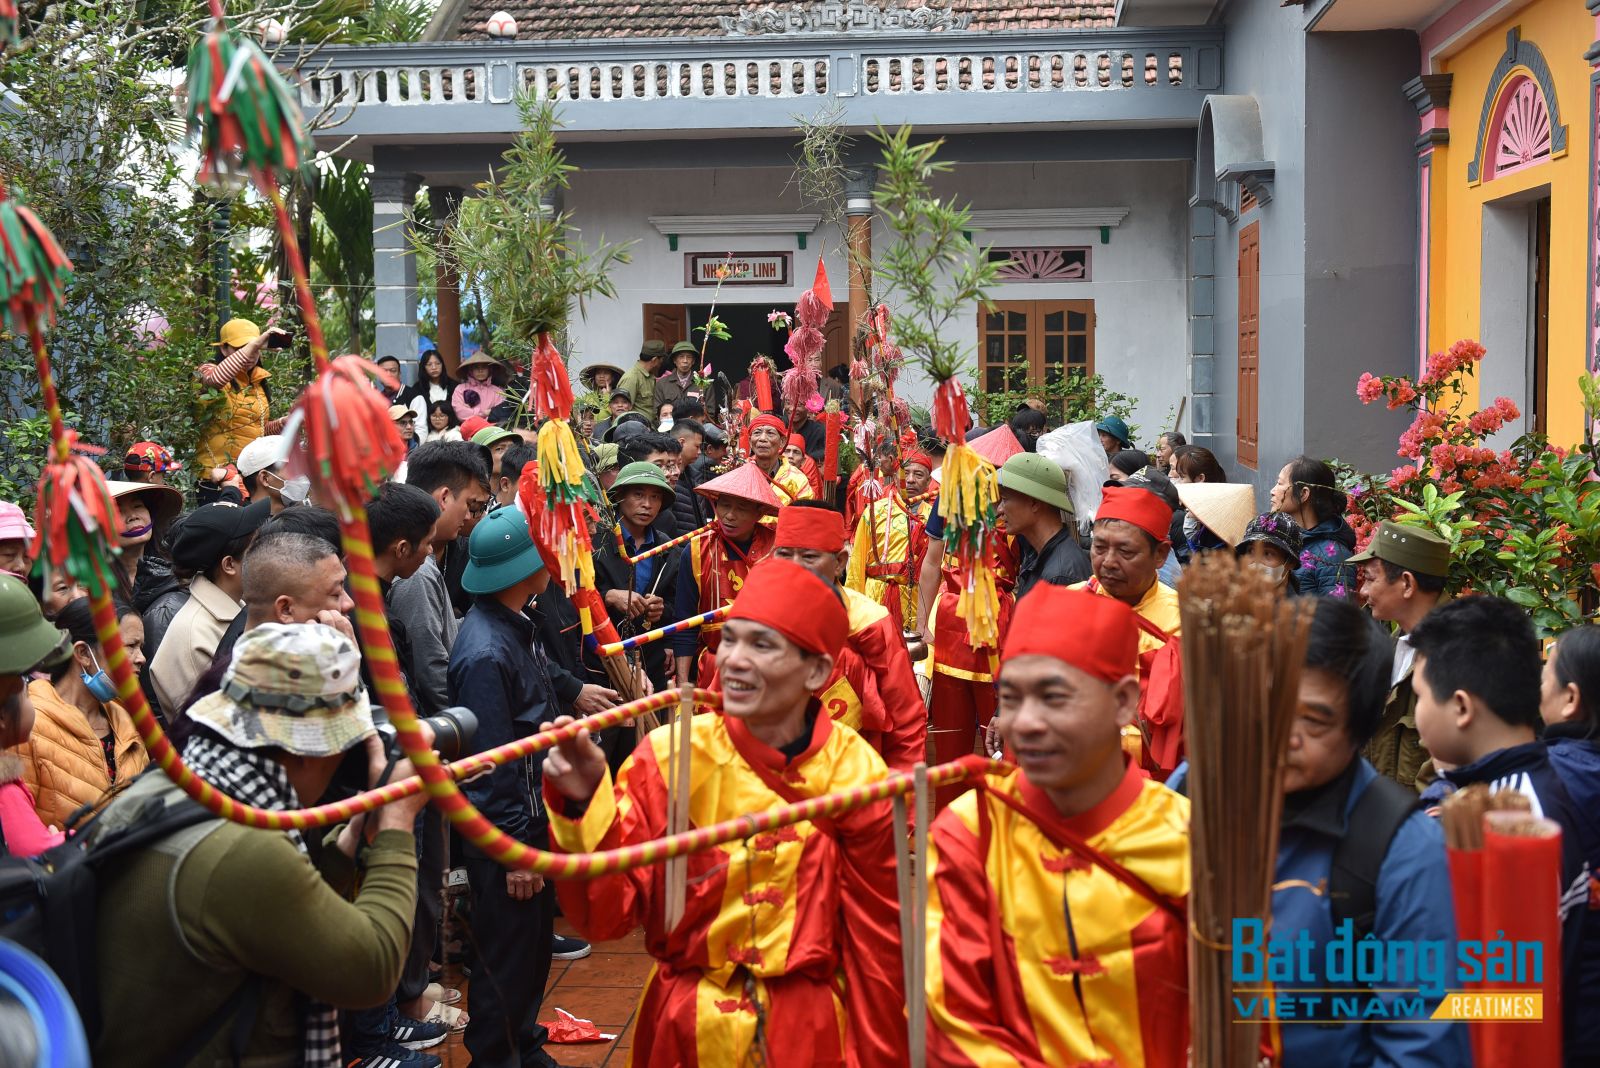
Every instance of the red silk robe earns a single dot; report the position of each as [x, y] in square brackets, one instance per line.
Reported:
[718, 571]
[799, 926]
[875, 637]
[1038, 956]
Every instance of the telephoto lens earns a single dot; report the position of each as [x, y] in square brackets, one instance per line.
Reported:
[452, 731]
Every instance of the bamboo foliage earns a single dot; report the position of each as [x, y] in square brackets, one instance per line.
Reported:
[1243, 648]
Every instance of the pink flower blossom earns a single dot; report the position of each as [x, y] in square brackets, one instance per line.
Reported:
[1368, 388]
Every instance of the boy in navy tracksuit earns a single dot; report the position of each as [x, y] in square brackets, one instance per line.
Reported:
[1477, 680]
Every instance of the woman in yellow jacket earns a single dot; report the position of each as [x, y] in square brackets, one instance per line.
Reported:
[243, 407]
[83, 742]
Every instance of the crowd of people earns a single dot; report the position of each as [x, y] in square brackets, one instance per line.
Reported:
[1056, 925]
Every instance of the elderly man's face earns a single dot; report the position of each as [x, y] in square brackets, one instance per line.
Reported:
[765, 443]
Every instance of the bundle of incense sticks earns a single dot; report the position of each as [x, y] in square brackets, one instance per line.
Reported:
[1243, 647]
[1505, 879]
[1463, 811]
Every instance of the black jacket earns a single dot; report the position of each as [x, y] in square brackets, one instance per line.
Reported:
[1062, 563]
[498, 671]
[611, 572]
[689, 508]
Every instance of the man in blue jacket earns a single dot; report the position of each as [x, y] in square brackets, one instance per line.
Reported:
[1354, 849]
[497, 670]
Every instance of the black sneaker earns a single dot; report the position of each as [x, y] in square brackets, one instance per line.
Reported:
[396, 1056]
[565, 948]
[419, 1034]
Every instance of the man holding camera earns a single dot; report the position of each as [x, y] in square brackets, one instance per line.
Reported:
[498, 671]
[222, 940]
[243, 412]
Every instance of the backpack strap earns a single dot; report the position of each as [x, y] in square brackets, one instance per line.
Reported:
[1353, 880]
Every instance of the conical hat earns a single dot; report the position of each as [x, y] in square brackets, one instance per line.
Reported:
[747, 482]
[1224, 508]
[998, 445]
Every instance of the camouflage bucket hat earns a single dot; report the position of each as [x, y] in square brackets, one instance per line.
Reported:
[296, 686]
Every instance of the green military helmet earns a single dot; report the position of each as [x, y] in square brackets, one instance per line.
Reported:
[639, 474]
[1038, 477]
[26, 637]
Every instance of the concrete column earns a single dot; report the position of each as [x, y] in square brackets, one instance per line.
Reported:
[394, 270]
[1202, 311]
[858, 211]
[445, 201]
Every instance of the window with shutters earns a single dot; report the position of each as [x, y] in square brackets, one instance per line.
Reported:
[1026, 343]
[1249, 344]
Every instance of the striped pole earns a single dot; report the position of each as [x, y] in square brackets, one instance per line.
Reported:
[656, 550]
[716, 615]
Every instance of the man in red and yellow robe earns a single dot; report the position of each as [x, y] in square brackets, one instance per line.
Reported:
[1128, 548]
[768, 435]
[713, 568]
[1057, 908]
[886, 556]
[789, 942]
[886, 707]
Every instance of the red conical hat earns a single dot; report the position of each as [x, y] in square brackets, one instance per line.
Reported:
[998, 445]
[747, 482]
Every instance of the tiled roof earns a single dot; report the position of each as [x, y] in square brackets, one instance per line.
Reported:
[698, 18]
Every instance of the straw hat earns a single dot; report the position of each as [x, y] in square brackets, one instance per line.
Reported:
[747, 482]
[1224, 508]
[497, 370]
[164, 502]
[586, 376]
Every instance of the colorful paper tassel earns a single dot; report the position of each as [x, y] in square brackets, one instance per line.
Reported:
[351, 443]
[559, 499]
[242, 110]
[550, 390]
[77, 520]
[33, 269]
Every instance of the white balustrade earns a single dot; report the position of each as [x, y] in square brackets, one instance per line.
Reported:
[862, 70]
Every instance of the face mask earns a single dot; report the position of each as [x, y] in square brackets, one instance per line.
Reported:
[296, 489]
[1275, 572]
[138, 532]
[99, 684]
[1191, 525]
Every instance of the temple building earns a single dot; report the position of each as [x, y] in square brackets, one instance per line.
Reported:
[1228, 210]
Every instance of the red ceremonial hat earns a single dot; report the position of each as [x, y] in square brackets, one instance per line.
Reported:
[800, 527]
[773, 421]
[998, 445]
[797, 441]
[1093, 633]
[1137, 506]
[747, 482]
[795, 603]
[918, 457]
[471, 426]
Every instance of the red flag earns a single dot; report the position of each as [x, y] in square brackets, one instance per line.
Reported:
[820, 285]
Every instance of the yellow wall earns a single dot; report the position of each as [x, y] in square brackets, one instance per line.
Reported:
[1563, 31]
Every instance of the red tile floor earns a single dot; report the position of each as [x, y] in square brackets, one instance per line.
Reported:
[603, 987]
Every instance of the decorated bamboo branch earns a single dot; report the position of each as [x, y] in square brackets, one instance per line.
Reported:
[716, 615]
[937, 275]
[1243, 648]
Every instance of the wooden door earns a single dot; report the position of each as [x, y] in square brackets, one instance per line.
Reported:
[1249, 419]
[836, 340]
[667, 323]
